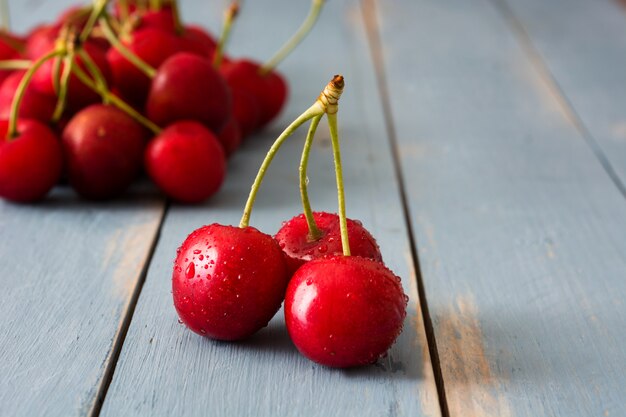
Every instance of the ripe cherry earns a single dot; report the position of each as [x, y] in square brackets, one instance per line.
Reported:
[245, 110]
[30, 163]
[269, 90]
[8, 50]
[198, 41]
[153, 46]
[103, 149]
[294, 238]
[344, 311]
[34, 104]
[230, 137]
[186, 161]
[228, 282]
[187, 87]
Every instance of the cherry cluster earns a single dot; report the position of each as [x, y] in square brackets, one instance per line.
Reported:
[343, 306]
[110, 90]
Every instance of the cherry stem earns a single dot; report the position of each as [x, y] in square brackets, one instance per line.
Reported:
[155, 5]
[294, 41]
[178, 26]
[314, 231]
[229, 17]
[124, 10]
[116, 101]
[95, 72]
[68, 62]
[341, 198]
[21, 89]
[98, 8]
[15, 64]
[142, 65]
[310, 113]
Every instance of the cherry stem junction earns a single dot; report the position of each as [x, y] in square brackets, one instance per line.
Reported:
[294, 41]
[109, 34]
[116, 101]
[314, 231]
[98, 9]
[229, 17]
[68, 62]
[21, 89]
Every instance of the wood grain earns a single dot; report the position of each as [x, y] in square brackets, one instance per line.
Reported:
[165, 370]
[520, 231]
[69, 271]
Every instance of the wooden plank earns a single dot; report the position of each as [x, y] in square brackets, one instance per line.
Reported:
[68, 271]
[165, 369]
[520, 231]
[588, 66]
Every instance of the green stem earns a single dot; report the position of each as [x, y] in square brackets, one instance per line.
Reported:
[155, 5]
[314, 231]
[341, 198]
[68, 62]
[94, 71]
[124, 10]
[290, 45]
[310, 113]
[142, 65]
[96, 12]
[178, 25]
[5, 16]
[116, 101]
[21, 89]
[229, 18]
[15, 64]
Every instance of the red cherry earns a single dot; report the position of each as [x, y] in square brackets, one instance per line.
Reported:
[103, 149]
[230, 137]
[187, 87]
[158, 19]
[39, 40]
[228, 282]
[78, 94]
[186, 161]
[31, 163]
[34, 105]
[344, 311]
[269, 90]
[293, 238]
[151, 45]
[245, 110]
[8, 51]
[196, 40]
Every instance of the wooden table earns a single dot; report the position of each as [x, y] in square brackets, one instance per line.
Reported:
[485, 148]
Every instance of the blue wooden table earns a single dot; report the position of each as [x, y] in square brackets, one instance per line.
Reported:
[485, 148]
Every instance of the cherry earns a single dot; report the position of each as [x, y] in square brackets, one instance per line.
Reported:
[230, 137]
[228, 282]
[344, 311]
[196, 40]
[186, 161]
[79, 95]
[295, 240]
[34, 105]
[187, 87]
[103, 149]
[269, 90]
[30, 163]
[8, 50]
[162, 19]
[245, 110]
[153, 46]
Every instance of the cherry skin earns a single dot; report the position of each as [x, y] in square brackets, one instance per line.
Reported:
[34, 104]
[187, 87]
[196, 40]
[270, 90]
[151, 45]
[344, 311]
[186, 161]
[228, 282]
[293, 238]
[245, 110]
[31, 163]
[230, 137]
[103, 149]
[7, 51]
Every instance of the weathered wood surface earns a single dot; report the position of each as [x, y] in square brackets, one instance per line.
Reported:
[519, 229]
[582, 46]
[166, 370]
[68, 273]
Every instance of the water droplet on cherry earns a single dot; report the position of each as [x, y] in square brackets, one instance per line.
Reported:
[190, 271]
[197, 251]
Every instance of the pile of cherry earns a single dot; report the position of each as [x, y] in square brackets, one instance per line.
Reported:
[105, 93]
[343, 306]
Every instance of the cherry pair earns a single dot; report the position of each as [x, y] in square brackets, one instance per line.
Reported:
[343, 307]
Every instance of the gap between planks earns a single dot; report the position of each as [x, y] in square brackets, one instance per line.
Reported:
[120, 337]
[369, 11]
[537, 61]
